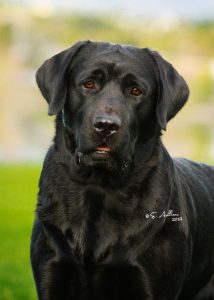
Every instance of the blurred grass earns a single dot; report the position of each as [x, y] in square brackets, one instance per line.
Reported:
[18, 189]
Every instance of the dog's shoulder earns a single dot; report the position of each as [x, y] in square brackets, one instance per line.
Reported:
[196, 180]
[193, 169]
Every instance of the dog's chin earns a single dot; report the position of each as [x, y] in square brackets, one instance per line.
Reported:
[103, 158]
[95, 159]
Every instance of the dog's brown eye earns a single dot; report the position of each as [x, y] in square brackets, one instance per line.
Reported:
[89, 85]
[136, 91]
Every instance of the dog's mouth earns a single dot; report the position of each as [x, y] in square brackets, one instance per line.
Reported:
[102, 156]
[102, 152]
[103, 149]
[99, 154]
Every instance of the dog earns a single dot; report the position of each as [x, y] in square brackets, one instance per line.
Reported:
[117, 218]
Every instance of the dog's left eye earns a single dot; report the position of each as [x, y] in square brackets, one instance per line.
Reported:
[135, 91]
[89, 85]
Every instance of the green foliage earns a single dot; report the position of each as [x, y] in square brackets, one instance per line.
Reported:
[18, 189]
[203, 86]
[201, 135]
[6, 34]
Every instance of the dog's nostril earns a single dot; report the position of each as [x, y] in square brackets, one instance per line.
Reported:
[99, 125]
[107, 125]
[114, 127]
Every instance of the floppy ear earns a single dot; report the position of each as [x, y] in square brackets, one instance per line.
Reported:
[173, 90]
[51, 78]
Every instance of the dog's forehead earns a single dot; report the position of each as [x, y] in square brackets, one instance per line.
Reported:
[121, 58]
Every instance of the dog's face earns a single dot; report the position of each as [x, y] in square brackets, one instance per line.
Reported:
[111, 98]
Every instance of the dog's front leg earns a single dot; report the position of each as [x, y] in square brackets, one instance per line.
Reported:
[60, 281]
[56, 275]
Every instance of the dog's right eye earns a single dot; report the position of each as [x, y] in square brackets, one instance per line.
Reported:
[135, 91]
[89, 85]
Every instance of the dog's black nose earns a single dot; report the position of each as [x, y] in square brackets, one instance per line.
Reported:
[106, 125]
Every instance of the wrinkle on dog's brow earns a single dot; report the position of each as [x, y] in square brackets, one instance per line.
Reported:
[96, 73]
[109, 70]
[116, 69]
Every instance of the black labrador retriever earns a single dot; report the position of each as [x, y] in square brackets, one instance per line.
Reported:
[117, 218]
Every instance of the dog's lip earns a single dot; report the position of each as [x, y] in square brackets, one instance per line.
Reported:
[102, 149]
[97, 154]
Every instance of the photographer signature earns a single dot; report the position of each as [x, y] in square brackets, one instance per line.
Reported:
[175, 217]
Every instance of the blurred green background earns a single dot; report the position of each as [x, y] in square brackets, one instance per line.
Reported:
[30, 32]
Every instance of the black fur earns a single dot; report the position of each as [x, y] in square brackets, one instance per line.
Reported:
[104, 228]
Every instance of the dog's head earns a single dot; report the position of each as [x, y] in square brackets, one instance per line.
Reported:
[111, 98]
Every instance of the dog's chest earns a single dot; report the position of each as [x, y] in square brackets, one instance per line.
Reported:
[99, 222]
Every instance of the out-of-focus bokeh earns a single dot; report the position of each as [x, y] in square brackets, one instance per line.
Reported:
[32, 31]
